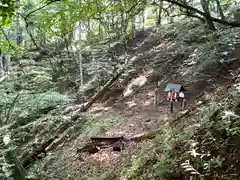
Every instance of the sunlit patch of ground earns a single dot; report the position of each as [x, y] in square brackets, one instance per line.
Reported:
[140, 81]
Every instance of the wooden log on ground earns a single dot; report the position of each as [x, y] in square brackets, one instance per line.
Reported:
[98, 143]
[60, 139]
[106, 139]
[90, 148]
[145, 135]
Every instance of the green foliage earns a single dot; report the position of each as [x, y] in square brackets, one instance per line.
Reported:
[28, 107]
[7, 10]
[9, 47]
[212, 151]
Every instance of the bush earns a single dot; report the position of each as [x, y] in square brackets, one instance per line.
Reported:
[27, 107]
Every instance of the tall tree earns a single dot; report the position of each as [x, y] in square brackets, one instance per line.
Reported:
[220, 10]
[159, 13]
[205, 7]
[1, 65]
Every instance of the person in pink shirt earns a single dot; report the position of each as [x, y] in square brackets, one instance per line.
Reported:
[172, 95]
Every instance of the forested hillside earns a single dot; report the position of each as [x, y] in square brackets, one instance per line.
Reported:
[84, 90]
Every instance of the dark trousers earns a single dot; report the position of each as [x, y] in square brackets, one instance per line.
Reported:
[182, 102]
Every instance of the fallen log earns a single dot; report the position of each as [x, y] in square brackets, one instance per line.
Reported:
[55, 143]
[116, 143]
[106, 139]
[60, 139]
[102, 91]
[92, 148]
[98, 143]
[145, 135]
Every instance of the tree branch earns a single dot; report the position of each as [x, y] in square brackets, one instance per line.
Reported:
[220, 21]
[6, 37]
[35, 10]
[132, 7]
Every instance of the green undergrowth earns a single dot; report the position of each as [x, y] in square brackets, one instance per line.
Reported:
[207, 51]
[159, 158]
[24, 107]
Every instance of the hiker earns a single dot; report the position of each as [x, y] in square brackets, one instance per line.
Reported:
[172, 95]
[182, 99]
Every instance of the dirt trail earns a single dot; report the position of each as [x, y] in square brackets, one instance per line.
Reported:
[138, 114]
[135, 114]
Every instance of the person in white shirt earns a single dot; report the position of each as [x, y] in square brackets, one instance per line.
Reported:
[182, 99]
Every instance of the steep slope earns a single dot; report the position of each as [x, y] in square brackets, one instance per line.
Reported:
[172, 56]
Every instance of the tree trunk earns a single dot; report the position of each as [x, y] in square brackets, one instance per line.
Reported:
[19, 40]
[143, 19]
[8, 64]
[122, 25]
[159, 14]
[205, 6]
[219, 8]
[19, 31]
[205, 15]
[133, 27]
[101, 91]
[80, 56]
[1, 66]
[88, 26]
[80, 69]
